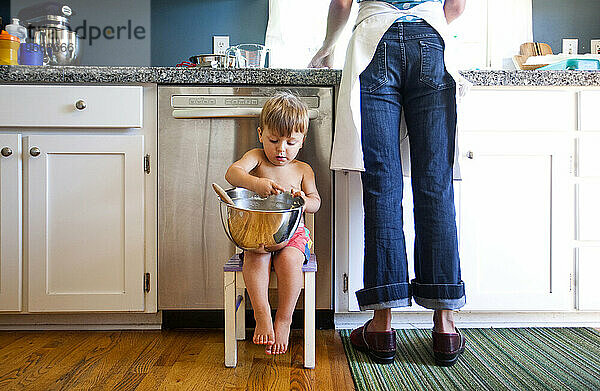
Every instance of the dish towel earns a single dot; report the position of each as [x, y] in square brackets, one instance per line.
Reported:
[374, 19]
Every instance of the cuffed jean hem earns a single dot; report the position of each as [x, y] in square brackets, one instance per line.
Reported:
[376, 296]
[441, 304]
[439, 296]
[388, 304]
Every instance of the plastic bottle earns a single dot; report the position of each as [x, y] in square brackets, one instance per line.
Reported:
[31, 54]
[16, 30]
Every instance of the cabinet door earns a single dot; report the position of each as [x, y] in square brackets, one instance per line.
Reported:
[85, 222]
[10, 222]
[516, 222]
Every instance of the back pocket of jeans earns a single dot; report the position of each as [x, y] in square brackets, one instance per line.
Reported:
[433, 70]
[375, 75]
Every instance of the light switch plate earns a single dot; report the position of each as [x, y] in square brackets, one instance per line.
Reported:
[569, 46]
[220, 44]
[595, 46]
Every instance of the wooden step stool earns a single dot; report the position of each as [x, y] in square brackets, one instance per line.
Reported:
[235, 308]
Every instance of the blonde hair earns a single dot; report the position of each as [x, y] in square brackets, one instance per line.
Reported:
[284, 114]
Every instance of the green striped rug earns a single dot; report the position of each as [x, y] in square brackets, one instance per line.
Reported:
[494, 359]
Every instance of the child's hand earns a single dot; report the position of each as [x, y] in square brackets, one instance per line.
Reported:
[299, 193]
[265, 187]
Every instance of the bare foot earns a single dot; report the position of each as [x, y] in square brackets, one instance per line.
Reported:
[263, 332]
[282, 335]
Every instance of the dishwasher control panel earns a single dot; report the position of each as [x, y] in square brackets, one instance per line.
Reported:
[209, 101]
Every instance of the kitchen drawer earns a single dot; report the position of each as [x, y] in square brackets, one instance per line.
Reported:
[588, 158]
[588, 211]
[518, 110]
[589, 110]
[55, 106]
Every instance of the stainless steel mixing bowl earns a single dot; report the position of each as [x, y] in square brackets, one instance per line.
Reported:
[259, 224]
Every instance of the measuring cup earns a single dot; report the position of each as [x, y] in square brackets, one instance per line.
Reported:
[248, 55]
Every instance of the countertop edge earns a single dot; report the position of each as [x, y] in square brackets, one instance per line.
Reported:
[167, 75]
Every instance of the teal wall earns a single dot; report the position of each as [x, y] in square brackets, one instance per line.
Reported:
[5, 11]
[554, 20]
[182, 28]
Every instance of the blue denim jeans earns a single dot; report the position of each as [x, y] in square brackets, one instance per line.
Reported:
[408, 73]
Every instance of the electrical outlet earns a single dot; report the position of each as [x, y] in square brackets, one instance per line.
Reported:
[220, 44]
[595, 46]
[569, 46]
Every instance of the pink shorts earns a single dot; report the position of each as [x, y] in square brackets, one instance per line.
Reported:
[301, 240]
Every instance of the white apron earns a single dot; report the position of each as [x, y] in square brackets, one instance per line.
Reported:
[374, 19]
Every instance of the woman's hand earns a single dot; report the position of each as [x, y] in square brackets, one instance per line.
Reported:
[339, 11]
[453, 9]
[265, 187]
[322, 59]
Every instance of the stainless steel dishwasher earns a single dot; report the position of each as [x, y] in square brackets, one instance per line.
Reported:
[202, 130]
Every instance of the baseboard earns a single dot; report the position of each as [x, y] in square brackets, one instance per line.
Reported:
[81, 321]
[467, 319]
[215, 319]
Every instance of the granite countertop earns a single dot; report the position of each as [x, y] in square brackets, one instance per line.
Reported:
[167, 75]
[533, 78]
[307, 77]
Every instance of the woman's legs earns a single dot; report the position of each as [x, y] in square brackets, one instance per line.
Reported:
[412, 79]
[256, 270]
[288, 267]
[382, 320]
[443, 321]
[430, 111]
[385, 266]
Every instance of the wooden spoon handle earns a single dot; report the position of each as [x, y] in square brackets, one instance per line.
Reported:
[222, 194]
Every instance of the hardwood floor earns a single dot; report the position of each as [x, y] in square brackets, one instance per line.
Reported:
[162, 360]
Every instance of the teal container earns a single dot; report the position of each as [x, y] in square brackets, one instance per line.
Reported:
[573, 64]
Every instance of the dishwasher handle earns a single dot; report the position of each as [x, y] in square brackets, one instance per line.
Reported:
[226, 112]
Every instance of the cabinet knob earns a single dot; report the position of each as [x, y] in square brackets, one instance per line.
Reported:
[470, 154]
[6, 151]
[35, 151]
[80, 104]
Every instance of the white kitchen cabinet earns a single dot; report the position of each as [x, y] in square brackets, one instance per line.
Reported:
[10, 222]
[588, 270]
[587, 194]
[527, 208]
[78, 221]
[84, 208]
[516, 222]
